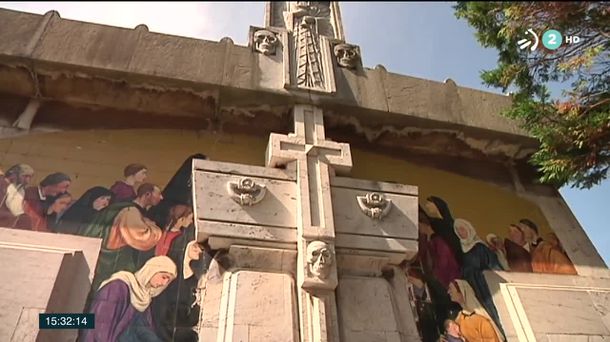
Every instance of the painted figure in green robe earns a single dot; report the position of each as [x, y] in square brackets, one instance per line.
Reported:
[126, 232]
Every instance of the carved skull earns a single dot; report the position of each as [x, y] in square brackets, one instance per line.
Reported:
[319, 258]
[347, 55]
[246, 184]
[374, 204]
[375, 199]
[265, 42]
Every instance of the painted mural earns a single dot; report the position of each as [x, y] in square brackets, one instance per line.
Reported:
[448, 288]
[145, 282]
[146, 278]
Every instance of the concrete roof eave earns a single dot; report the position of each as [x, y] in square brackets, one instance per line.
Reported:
[91, 64]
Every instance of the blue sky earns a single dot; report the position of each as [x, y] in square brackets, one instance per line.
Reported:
[418, 39]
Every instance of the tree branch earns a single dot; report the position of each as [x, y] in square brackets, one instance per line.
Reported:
[599, 103]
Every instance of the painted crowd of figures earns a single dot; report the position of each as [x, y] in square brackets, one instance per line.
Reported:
[149, 251]
[451, 295]
[148, 247]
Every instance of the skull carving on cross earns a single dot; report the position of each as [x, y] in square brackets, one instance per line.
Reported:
[347, 55]
[265, 42]
[320, 259]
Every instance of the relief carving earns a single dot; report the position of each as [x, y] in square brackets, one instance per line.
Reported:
[311, 21]
[374, 205]
[265, 42]
[320, 258]
[246, 191]
[347, 55]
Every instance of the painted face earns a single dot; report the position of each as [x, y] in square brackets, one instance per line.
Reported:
[156, 196]
[515, 235]
[24, 180]
[432, 210]
[141, 176]
[425, 228]
[453, 329]
[101, 202]
[195, 251]
[494, 242]
[61, 204]
[57, 189]
[160, 279]
[454, 294]
[187, 220]
[528, 232]
[462, 232]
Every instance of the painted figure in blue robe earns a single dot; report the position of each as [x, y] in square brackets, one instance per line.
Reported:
[478, 257]
[122, 304]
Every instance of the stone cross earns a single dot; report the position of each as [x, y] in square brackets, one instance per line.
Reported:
[316, 158]
[345, 231]
[304, 244]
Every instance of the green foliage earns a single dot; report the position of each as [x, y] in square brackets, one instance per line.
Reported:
[574, 131]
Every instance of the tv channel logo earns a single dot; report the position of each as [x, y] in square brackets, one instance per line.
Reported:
[552, 39]
[524, 43]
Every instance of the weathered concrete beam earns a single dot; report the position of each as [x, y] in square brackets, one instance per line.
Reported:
[93, 65]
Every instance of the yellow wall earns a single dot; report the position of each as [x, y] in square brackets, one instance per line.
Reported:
[98, 158]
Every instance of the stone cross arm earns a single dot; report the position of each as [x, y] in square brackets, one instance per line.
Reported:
[283, 149]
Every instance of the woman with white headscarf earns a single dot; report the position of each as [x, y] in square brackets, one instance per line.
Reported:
[122, 303]
[477, 258]
[475, 323]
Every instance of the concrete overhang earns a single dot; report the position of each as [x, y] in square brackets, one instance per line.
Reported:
[148, 79]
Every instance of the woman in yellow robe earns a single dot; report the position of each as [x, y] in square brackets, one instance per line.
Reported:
[475, 323]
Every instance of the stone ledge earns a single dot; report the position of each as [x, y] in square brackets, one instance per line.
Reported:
[98, 65]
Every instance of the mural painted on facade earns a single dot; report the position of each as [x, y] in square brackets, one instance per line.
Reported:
[146, 279]
[449, 290]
